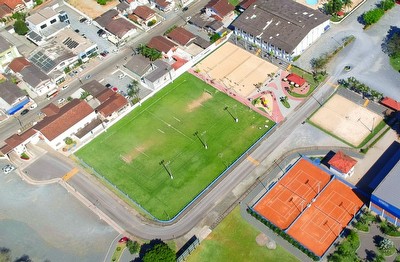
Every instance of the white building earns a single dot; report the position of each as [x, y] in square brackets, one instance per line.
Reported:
[8, 52]
[342, 164]
[282, 28]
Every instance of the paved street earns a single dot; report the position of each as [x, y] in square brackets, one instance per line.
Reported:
[369, 64]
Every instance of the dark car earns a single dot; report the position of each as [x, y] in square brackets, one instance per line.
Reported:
[83, 19]
[24, 112]
[77, 30]
[108, 85]
[185, 9]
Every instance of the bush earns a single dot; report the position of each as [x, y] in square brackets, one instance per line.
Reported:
[389, 229]
[24, 156]
[102, 2]
[214, 37]
[68, 141]
[20, 27]
[133, 246]
[372, 16]
[151, 23]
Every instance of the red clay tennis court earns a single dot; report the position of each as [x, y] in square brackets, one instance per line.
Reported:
[285, 201]
[322, 222]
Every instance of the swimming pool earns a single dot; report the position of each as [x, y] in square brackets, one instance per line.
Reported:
[312, 2]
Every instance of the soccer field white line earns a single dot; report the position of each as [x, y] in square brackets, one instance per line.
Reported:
[143, 153]
[171, 126]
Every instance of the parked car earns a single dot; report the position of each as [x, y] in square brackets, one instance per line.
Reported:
[108, 85]
[61, 100]
[121, 76]
[64, 87]
[83, 19]
[7, 169]
[77, 30]
[188, 18]
[185, 9]
[32, 106]
[88, 76]
[24, 112]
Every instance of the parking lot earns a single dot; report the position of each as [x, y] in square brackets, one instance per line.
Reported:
[86, 29]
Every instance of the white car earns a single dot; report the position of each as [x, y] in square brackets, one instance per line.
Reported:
[7, 169]
[32, 106]
[61, 100]
[188, 18]
[121, 76]
[64, 87]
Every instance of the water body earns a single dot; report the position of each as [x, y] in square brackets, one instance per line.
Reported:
[47, 223]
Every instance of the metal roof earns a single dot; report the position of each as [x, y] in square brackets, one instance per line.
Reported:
[387, 189]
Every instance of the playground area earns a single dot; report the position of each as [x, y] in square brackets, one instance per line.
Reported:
[311, 205]
[290, 196]
[319, 225]
[346, 119]
[236, 69]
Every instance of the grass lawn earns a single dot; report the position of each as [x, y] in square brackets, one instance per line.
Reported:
[235, 240]
[309, 78]
[234, 2]
[395, 62]
[130, 152]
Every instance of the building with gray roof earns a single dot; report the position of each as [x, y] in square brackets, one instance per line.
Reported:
[161, 74]
[8, 52]
[36, 80]
[12, 98]
[282, 27]
[139, 65]
[385, 200]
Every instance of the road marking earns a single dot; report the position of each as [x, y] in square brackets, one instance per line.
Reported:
[70, 174]
[253, 161]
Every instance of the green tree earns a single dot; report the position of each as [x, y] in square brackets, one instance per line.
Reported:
[333, 6]
[372, 16]
[133, 246]
[5, 255]
[393, 44]
[150, 53]
[160, 252]
[347, 3]
[387, 4]
[20, 27]
[319, 64]
[215, 37]
[102, 2]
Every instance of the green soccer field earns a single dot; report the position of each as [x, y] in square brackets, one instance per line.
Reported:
[163, 128]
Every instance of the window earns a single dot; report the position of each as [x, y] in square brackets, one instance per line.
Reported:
[43, 26]
[53, 21]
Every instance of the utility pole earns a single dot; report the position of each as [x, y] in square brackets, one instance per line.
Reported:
[229, 112]
[162, 163]
[201, 140]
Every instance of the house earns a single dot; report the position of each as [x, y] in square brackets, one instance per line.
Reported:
[16, 5]
[164, 5]
[123, 8]
[385, 199]
[342, 164]
[12, 98]
[138, 65]
[144, 15]
[160, 75]
[60, 123]
[245, 4]
[45, 24]
[8, 52]
[94, 88]
[112, 106]
[283, 28]
[219, 9]
[181, 36]
[163, 45]
[32, 76]
[5, 12]
[17, 142]
[119, 27]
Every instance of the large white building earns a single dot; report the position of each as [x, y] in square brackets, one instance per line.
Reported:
[283, 28]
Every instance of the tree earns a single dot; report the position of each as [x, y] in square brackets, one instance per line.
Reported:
[150, 53]
[318, 64]
[20, 27]
[215, 37]
[347, 3]
[372, 16]
[160, 252]
[5, 255]
[386, 245]
[393, 44]
[133, 246]
[333, 6]
[386, 4]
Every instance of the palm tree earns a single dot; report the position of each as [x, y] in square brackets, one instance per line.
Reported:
[347, 3]
[133, 90]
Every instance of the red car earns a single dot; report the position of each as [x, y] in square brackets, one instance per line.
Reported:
[123, 240]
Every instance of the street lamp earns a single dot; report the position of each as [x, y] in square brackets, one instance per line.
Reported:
[229, 112]
[276, 163]
[201, 140]
[162, 163]
[337, 41]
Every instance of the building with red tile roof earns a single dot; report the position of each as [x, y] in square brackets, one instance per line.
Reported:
[164, 5]
[296, 79]
[181, 36]
[112, 106]
[14, 5]
[144, 12]
[220, 8]
[391, 103]
[17, 142]
[19, 63]
[104, 95]
[342, 164]
[64, 122]
[162, 45]
[246, 3]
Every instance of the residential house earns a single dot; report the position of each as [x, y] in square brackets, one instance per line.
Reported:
[60, 123]
[284, 28]
[112, 106]
[161, 74]
[163, 45]
[181, 36]
[164, 5]
[94, 88]
[143, 15]
[245, 4]
[17, 142]
[8, 52]
[5, 12]
[120, 27]
[123, 8]
[220, 10]
[44, 24]
[139, 66]
[15, 6]
[342, 164]
[34, 79]
[12, 98]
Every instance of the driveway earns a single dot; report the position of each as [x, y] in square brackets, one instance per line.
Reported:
[369, 64]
